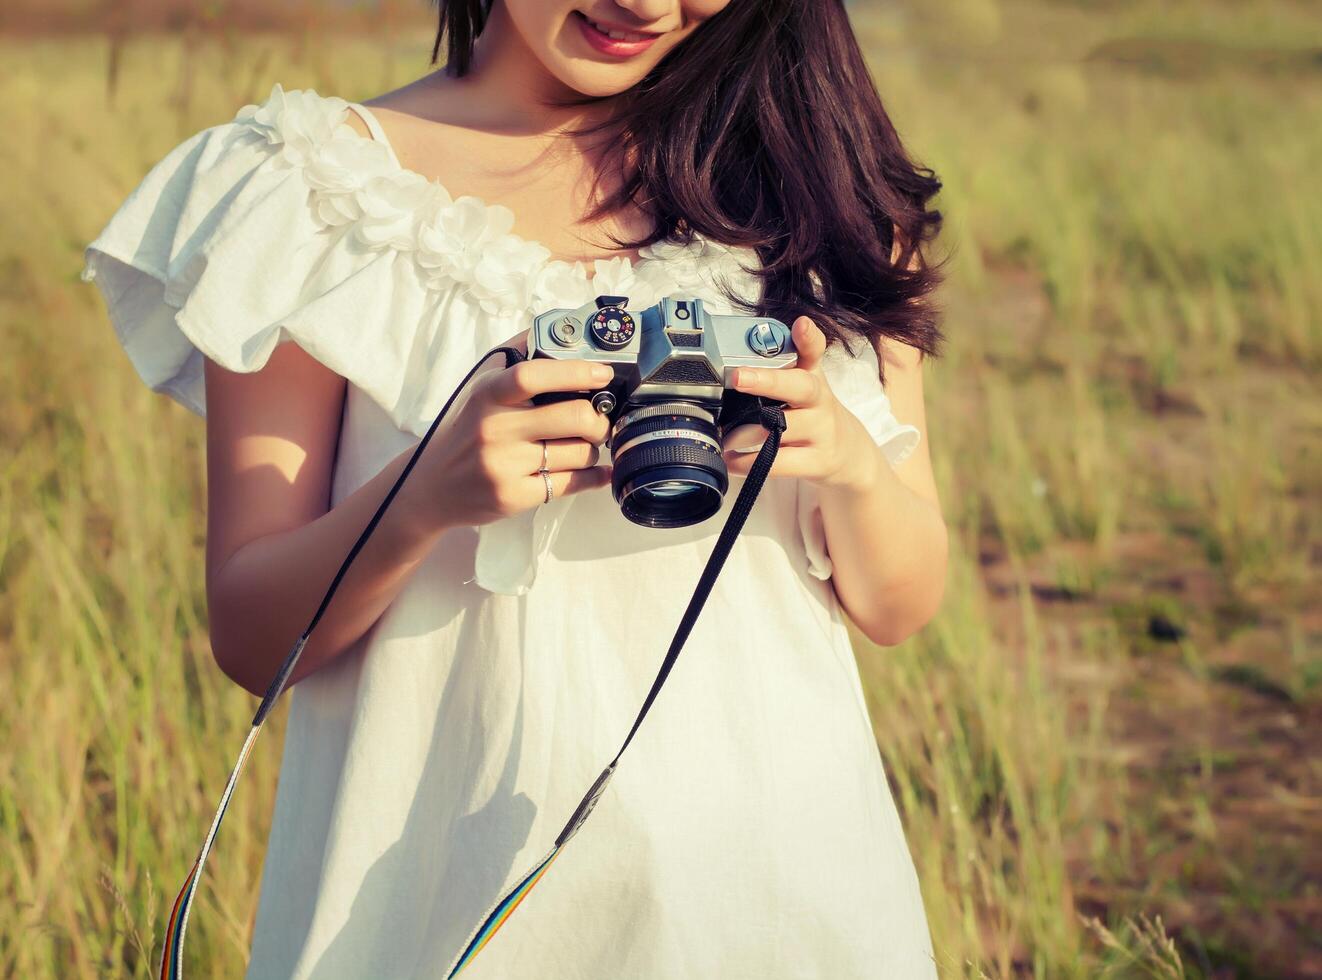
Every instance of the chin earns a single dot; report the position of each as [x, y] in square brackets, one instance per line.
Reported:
[592, 80]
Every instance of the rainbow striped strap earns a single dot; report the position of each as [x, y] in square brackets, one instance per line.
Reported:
[500, 912]
[172, 956]
[504, 908]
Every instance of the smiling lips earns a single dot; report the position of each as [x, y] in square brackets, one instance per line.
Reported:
[610, 39]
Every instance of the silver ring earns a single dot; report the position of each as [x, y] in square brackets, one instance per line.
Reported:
[544, 461]
[546, 478]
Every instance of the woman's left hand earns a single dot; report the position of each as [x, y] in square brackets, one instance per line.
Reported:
[823, 442]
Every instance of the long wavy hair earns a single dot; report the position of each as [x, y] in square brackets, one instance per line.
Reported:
[764, 129]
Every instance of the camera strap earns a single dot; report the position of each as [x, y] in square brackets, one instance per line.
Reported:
[772, 418]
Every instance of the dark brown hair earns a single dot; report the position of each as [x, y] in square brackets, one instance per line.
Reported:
[764, 129]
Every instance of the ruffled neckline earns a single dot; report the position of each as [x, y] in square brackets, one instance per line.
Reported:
[359, 188]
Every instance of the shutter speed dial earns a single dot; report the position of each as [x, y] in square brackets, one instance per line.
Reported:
[612, 327]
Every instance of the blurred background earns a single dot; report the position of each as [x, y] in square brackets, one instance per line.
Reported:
[1100, 747]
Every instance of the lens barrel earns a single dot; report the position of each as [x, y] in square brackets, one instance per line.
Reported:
[667, 465]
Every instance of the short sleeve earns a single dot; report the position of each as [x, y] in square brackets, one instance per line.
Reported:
[856, 382]
[276, 227]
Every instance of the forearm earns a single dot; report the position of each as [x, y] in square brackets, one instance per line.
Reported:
[267, 591]
[888, 548]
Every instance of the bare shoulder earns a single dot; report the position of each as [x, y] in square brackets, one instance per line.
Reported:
[434, 101]
[901, 363]
[439, 128]
[894, 354]
[903, 370]
[425, 90]
[402, 101]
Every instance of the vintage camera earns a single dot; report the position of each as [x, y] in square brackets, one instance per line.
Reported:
[670, 399]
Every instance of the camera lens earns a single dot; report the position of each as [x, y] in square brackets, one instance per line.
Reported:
[668, 470]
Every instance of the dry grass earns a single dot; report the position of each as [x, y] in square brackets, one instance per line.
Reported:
[1101, 747]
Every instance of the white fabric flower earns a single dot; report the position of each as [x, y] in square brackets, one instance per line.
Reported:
[394, 206]
[561, 284]
[655, 278]
[667, 250]
[730, 262]
[505, 274]
[614, 277]
[670, 267]
[707, 267]
[451, 242]
[299, 121]
[338, 170]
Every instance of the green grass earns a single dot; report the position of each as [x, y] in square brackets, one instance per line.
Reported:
[1125, 430]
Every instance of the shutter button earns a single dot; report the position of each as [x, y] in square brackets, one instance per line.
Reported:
[566, 331]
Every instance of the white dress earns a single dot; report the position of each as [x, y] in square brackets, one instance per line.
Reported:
[749, 831]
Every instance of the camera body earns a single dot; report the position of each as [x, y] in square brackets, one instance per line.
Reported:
[670, 399]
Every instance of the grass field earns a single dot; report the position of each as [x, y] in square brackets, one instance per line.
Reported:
[1100, 747]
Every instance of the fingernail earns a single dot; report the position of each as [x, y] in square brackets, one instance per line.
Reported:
[602, 372]
[743, 377]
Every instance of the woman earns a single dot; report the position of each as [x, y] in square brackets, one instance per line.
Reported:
[491, 643]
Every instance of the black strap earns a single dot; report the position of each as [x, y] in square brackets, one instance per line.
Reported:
[773, 420]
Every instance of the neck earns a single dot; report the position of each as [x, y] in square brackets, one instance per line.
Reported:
[506, 76]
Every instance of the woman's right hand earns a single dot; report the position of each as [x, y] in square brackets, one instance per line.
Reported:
[482, 463]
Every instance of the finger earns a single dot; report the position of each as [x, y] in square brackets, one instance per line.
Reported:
[804, 461]
[517, 384]
[564, 454]
[794, 386]
[573, 418]
[802, 427]
[809, 342]
[566, 483]
[743, 439]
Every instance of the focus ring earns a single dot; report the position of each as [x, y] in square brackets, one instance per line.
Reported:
[685, 410]
[699, 427]
[678, 453]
